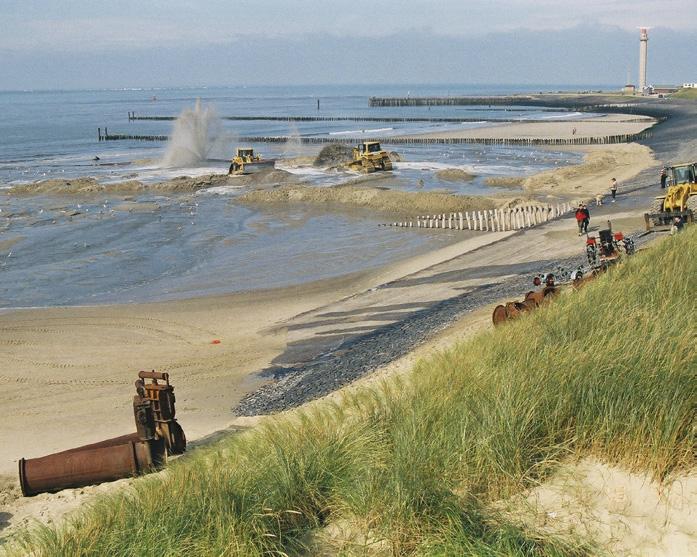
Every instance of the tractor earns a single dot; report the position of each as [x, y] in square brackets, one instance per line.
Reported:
[680, 199]
[246, 161]
[368, 156]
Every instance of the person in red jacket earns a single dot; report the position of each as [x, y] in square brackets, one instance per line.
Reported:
[580, 217]
[586, 217]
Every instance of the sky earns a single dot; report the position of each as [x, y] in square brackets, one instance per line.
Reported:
[97, 43]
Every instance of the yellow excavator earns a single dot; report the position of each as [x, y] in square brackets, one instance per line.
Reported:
[246, 161]
[369, 157]
[680, 199]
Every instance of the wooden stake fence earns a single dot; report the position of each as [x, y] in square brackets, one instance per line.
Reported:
[493, 220]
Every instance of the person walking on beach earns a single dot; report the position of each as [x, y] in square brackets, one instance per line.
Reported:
[664, 177]
[586, 217]
[580, 217]
[613, 188]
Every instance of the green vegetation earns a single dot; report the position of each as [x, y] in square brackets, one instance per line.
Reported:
[412, 467]
[685, 94]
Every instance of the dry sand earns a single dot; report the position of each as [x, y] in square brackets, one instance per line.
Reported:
[601, 163]
[601, 126]
[625, 513]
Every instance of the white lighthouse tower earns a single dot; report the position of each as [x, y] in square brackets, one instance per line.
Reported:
[643, 54]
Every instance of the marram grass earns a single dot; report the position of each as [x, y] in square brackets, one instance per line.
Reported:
[410, 467]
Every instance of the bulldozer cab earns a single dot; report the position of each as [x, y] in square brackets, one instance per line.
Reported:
[369, 147]
[245, 152]
[682, 174]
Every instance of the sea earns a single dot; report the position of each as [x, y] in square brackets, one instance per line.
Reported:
[65, 250]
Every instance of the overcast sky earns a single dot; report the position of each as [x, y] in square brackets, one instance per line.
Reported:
[64, 44]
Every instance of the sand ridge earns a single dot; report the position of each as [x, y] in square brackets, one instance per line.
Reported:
[350, 196]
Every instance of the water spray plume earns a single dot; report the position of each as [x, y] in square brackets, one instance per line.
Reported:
[198, 135]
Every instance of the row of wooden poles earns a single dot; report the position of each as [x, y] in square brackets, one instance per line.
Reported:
[523, 141]
[132, 116]
[476, 101]
[493, 220]
[406, 140]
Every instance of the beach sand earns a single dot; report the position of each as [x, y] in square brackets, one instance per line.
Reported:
[601, 126]
[69, 372]
[601, 163]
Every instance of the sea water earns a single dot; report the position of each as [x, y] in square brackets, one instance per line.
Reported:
[104, 249]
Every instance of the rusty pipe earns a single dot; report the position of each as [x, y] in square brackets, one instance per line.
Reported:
[120, 440]
[499, 316]
[84, 466]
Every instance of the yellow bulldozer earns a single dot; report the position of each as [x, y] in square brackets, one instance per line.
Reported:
[679, 200]
[246, 161]
[369, 157]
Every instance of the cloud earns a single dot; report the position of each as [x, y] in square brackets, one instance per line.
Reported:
[581, 55]
[81, 25]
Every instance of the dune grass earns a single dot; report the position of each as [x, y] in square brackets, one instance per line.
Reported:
[413, 466]
[685, 93]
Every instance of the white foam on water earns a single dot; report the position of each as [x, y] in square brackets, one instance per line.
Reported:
[310, 171]
[562, 116]
[221, 190]
[431, 165]
[373, 130]
[152, 174]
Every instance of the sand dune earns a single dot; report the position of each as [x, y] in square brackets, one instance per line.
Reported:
[627, 514]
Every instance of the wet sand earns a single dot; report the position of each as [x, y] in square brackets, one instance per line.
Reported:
[389, 201]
